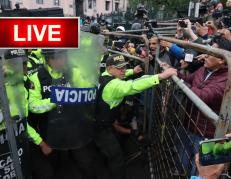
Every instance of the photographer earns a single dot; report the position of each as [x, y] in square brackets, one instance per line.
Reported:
[141, 15]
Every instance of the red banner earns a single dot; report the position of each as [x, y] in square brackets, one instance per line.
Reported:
[39, 32]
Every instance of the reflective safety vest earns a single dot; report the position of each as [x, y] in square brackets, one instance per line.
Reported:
[105, 116]
[103, 62]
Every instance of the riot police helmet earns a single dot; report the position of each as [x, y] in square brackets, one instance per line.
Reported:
[95, 28]
[53, 53]
[15, 53]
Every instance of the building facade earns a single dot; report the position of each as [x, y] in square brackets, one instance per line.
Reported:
[93, 7]
[67, 5]
[72, 7]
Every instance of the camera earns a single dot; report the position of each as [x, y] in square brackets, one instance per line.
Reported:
[141, 10]
[198, 20]
[119, 44]
[182, 24]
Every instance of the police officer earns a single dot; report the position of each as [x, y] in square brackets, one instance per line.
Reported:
[68, 129]
[32, 134]
[111, 92]
[18, 103]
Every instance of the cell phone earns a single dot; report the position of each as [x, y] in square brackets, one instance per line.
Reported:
[182, 24]
[215, 151]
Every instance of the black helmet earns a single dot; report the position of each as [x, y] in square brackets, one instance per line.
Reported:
[52, 52]
[15, 53]
[95, 28]
[141, 8]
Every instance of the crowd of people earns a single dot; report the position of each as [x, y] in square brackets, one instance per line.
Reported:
[89, 141]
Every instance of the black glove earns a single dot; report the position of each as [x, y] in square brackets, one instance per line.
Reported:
[135, 133]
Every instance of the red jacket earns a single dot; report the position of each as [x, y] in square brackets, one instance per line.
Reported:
[211, 92]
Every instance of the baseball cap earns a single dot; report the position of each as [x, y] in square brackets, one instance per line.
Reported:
[117, 60]
[120, 28]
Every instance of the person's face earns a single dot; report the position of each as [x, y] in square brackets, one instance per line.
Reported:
[58, 62]
[153, 45]
[211, 62]
[117, 72]
[228, 4]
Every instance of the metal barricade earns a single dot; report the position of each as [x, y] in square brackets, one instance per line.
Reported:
[174, 127]
[164, 31]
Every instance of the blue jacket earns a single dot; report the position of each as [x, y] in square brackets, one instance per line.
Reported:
[177, 52]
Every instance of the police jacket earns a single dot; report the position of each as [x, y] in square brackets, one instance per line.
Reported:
[35, 60]
[32, 134]
[112, 92]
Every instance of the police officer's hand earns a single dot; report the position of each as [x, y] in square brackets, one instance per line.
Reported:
[137, 69]
[135, 133]
[46, 149]
[167, 73]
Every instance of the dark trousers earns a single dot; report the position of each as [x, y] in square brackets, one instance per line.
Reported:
[82, 163]
[90, 162]
[110, 147]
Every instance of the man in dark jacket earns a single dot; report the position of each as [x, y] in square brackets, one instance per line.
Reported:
[164, 56]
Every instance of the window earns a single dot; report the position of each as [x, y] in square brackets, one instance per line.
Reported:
[39, 1]
[117, 6]
[89, 4]
[56, 2]
[94, 3]
[107, 5]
